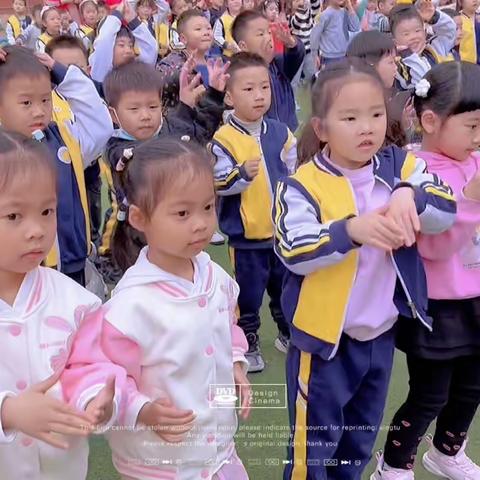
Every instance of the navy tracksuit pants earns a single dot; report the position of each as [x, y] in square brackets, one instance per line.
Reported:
[257, 271]
[336, 408]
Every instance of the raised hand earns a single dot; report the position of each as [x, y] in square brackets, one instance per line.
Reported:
[169, 422]
[426, 9]
[100, 409]
[190, 84]
[376, 230]
[45, 59]
[217, 74]
[39, 415]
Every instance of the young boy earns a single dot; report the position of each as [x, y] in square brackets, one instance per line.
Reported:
[380, 20]
[418, 55]
[75, 124]
[29, 36]
[18, 22]
[196, 34]
[457, 18]
[251, 31]
[252, 152]
[133, 93]
[222, 29]
[115, 44]
[331, 35]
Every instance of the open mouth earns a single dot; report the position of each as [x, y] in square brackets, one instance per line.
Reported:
[366, 144]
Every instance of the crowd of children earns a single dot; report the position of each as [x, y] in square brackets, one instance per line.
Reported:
[363, 233]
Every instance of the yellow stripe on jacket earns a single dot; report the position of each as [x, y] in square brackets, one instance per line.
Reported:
[336, 199]
[63, 116]
[45, 38]
[16, 26]
[256, 200]
[161, 35]
[227, 22]
[468, 44]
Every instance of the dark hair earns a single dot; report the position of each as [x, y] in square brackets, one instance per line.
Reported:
[400, 13]
[149, 3]
[396, 134]
[241, 23]
[65, 41]
[371, 46]
[155, 166]
[132, 77]
[83, 4]
[22, 156]
[36, 8]
[24, 1]
[324, 92]
[20, 62]
[451, 12]
[125, 32]
[242, 60]
[184, 18]
[453, 90]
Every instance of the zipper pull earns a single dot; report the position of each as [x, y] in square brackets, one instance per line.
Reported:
[413, 309]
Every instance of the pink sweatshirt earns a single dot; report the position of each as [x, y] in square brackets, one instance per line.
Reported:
[452, 258]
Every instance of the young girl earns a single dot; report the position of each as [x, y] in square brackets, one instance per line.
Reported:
[40, 311]
[222, 30]
[89, 15]
[50, 27]
[444, 364]
[18, 22]
[171, 324]
[345, 229]
[470, 41]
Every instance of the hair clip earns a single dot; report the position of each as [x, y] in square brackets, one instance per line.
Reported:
[126, 156]
[122, 211]
[185, 138]
[422, 88]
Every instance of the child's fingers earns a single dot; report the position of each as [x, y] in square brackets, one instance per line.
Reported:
[65, 429]
[53, 440]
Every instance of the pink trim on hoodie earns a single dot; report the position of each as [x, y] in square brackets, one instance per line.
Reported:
[452, 258]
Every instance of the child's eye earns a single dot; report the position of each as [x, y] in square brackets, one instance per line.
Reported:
[349, 119]
[248, 89]
[46, 100]
[378, 114]
[47, 212]
[27, 103]
[182, 213]
[209, 207]
[13, 216]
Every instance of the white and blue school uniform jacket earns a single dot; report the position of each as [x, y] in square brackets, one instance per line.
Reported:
[36, 334]
[414, 66]
[311, 211]
[101, 59]
[77, 135]
[245, 204]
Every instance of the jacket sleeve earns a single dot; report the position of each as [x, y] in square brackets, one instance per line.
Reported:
[98, 352]
[353, 22]
[218, 33]
[5, 437]
[291, 60]
[436, 206]
[288, 155]
[230, 178]
[145, 41]
[239, 341]
[445, 31]
[92, 126]
[101, 59]
[199, 123]
[10, 35]
[163, 10]
[417, 67]
[302, 241]
[446, 244]
[317, 32]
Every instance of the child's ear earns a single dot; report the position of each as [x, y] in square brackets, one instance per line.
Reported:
[113, 115]
[429, 121]
[136, 218]
[242, 46]
[228, 99]
[319, 129]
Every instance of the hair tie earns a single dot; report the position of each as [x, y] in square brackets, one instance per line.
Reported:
[422, 88]
[122, 211]
[127, 155]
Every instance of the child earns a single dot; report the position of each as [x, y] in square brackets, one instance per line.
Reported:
[458, 19]
[115, 44]
[368, 17]
[470, 42]
[18, 22]
[443, 364]
[408, 30]
[29, 36]
[378, 50]
[133, 93]
[222, 30]
[50, 27]
[40, 311]
[302, 21]
[67, 25]
[217, 8]
[331, 35]
[251, 154]
[76, 137]
[180, 376]
[345, 226]
[103, 10]
[86, 31]
[251, 32]
[197, 36]
[178, 7]
[271, 11]
[380, 20]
